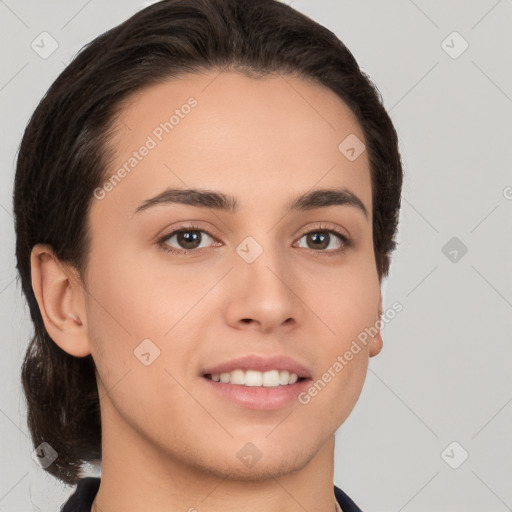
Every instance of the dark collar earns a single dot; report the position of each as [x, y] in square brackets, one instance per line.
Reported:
[81, 500]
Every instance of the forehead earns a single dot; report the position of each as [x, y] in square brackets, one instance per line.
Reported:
[252, 138]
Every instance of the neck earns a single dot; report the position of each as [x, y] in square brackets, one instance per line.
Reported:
[137, 476]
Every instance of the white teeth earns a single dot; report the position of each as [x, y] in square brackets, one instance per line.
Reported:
[271, 379]
[236, 377]
[284, 377]
[253, 378]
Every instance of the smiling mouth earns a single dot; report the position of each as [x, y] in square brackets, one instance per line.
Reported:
[254, 378]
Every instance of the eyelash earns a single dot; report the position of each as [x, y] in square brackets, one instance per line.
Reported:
[322, 228]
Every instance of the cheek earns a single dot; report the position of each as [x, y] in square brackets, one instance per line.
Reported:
[332, 397]
[137, 319]
[341, 370]
[347, 306]
[119, 315]
[139, 367]
[346, 301]
[131, 298]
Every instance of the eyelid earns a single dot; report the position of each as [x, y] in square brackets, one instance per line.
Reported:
[191, 225]
[161, 242]
[330, 227]
[345, 239]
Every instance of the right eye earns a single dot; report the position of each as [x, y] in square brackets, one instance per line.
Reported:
[189, 237]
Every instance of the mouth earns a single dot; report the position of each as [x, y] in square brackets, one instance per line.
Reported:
[254, 378]
[258, 382]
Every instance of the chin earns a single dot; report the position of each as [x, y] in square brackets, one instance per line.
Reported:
[250, 464]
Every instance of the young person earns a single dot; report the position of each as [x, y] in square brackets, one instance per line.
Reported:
[206, 202]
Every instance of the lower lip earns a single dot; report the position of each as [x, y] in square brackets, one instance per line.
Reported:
[259, 397]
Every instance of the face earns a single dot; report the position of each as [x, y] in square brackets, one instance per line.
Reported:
[181, 286]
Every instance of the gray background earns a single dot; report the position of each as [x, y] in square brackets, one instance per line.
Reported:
[444, 373]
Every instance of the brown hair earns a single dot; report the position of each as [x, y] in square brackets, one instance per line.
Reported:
[63, 157]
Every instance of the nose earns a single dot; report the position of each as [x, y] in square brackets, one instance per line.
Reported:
[264, 294]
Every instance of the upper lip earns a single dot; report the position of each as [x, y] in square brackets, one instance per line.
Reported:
[260, 363]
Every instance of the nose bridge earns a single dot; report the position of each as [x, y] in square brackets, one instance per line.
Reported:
[263, 257]
[264, 276]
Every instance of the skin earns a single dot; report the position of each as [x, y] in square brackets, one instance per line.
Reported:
[169, 443]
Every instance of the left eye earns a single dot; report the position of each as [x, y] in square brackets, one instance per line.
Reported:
[321, 239]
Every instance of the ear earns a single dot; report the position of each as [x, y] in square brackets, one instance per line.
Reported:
[61, 299]
[377, 343]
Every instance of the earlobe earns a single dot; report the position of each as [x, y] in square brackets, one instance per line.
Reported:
[377, 342]
[60, 299]
[376, 345]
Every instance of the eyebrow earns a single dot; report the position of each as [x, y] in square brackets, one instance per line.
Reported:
[319, 198]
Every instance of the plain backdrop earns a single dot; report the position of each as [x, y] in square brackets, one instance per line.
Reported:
[432, 428]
